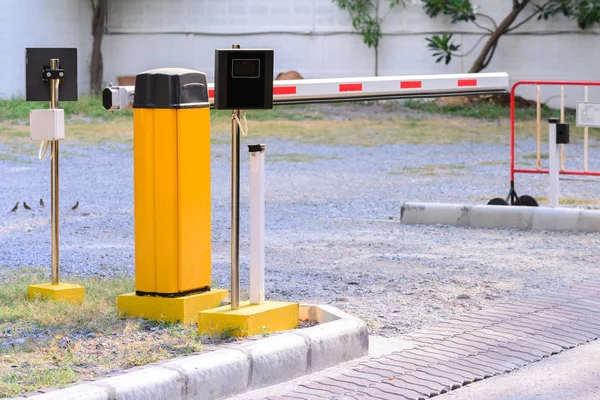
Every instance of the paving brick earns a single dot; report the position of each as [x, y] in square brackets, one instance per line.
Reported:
[398, 386]
[357, 377]
[543, 319]
[556, 315]
[590, 326]
[538, 323]
[507, 360]
[497, 362]
[524, 357]
[377, 393]
[377, 373]
[494, 319]
[471, 371]
[550, 348]
[486, 338]
[425, 376]
[462, 377]
[581, 326]
[560, 339]
[333, 389]
[439, 385]
[522, 348]
[494, 333]
[345, 386]
[424, 340]
[354, 396]
[490, 367]
[299, 394]
[486, 370]
[285, 397]
[394, 368]
[477, 346]
[411, 361]
[315, 393]
[449, 349]
[516, 328]
[430, 359]
[425, 355]
[580, 335]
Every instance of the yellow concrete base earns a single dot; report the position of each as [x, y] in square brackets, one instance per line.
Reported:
[249, 319]
[172, 309]
[63, 291]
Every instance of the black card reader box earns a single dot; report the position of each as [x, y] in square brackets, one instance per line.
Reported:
[243, 79]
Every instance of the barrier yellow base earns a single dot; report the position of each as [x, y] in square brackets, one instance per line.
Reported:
[63, 291]
[249, 319]
[171, 309]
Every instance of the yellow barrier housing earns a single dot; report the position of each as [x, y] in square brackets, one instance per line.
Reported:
[172, 219]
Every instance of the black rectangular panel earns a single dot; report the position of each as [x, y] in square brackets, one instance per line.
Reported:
[38, 59]
[243, 79]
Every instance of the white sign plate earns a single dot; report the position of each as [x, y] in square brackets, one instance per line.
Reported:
[588, 114]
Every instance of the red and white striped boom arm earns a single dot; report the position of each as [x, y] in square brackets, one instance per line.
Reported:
[304, 91]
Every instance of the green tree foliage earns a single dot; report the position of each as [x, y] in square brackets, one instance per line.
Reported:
[585, 12]
[367, 21]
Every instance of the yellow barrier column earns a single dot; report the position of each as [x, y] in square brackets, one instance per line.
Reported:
[171, 154]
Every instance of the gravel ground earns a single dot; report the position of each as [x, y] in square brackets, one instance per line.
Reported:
[333, 232]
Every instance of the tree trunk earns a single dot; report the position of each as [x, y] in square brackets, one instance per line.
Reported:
[490, 46]
[99, 9]
[376, 60]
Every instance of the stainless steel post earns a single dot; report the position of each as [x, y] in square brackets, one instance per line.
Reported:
[235, 208]
[235, 211]
[54, 84]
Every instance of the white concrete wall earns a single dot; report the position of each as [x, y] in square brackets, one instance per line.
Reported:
[42, 23]
[311, 36]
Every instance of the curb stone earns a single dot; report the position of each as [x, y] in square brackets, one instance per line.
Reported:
[501, 217]
[339, 337]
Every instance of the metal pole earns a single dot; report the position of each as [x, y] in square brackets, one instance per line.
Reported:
[562, 121]
[585, 137]
[235, 207]
[235, 212]
[554, 163]
[539, 127]
[257, 223]
[54, 84]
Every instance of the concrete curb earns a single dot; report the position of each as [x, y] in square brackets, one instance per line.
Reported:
[507, 217]
[339, 337]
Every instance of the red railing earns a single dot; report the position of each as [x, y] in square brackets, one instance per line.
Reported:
[514, 170]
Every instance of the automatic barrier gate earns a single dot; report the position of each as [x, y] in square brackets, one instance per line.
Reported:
[513, 198]
[162, 100]
[312, 91]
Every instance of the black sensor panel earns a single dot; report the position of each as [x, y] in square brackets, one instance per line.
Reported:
[243, 79]
[38, 59]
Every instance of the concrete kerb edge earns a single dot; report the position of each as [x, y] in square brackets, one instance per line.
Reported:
[502, 217]
[338, 338]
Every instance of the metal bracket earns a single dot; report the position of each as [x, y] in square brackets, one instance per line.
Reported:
[49, 73]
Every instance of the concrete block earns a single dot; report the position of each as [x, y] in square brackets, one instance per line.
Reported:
[276, 359]
[507, 218]
[336, 342]
[86, 391]
[152, 382]
[214, 375]
[504, 217]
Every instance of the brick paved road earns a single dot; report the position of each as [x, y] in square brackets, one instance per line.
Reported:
[469, 348]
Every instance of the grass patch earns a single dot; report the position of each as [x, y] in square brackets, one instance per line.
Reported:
[489, 111]
[90, 107]
[297, 158]
[47, 343]
[368, 132]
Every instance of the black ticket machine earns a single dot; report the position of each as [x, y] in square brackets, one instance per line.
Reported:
[243, 79]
